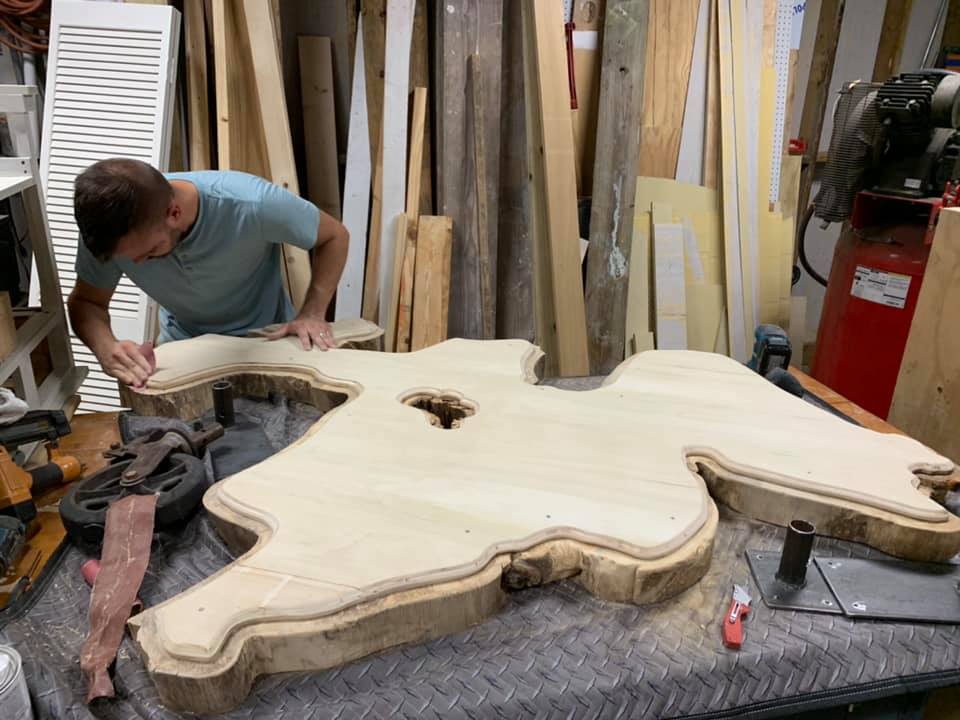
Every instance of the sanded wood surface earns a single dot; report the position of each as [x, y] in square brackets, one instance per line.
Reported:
[926, 401]
[615, 181]
[429, 520]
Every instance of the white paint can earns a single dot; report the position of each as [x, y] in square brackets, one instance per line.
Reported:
[14, 696]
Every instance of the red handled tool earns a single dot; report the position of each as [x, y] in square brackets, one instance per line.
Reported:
[733, 620]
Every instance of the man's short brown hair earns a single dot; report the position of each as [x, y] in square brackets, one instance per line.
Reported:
[113, 197]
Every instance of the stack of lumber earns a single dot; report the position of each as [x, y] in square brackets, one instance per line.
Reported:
[705, 252]
[462, 154]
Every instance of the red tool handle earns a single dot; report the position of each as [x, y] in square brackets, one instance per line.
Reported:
[733, 625]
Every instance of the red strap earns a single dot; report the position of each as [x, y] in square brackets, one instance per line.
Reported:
[733, 625]
[126, 552]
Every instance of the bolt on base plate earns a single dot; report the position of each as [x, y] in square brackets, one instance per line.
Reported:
[813, 596]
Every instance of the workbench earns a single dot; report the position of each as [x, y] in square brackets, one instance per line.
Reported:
[553, 651]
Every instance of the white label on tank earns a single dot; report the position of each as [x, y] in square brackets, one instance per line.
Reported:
[912, 183]
[877, 286]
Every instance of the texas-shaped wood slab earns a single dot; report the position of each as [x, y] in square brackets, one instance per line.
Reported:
[441, 476]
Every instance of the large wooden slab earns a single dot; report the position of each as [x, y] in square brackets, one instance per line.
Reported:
[381, 527]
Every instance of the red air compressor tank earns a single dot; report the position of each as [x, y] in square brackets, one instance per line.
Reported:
[871, 295]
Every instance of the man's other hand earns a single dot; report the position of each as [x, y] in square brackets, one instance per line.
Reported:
[127, 362]
[311, 331]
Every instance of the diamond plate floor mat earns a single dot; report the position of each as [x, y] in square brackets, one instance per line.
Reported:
[554, 652]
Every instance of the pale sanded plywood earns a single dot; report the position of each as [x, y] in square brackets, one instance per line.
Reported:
[377, 516]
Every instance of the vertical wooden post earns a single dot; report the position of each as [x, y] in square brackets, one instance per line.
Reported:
[895, 20]
[615, 180]
[818, 85]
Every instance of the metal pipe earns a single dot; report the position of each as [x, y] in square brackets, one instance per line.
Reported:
[796, 553]
[223, 402]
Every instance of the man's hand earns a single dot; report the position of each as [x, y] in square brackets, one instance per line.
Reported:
[312, 331]
[127, 362]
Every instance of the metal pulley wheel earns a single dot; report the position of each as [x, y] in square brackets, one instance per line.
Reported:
[179, 482]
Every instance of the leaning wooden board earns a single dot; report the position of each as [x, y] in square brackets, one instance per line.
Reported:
[382, 526]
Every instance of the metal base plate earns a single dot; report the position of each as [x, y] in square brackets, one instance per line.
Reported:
[815, 596]
[894, 589]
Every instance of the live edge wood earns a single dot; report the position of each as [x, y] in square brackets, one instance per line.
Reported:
[421, 541]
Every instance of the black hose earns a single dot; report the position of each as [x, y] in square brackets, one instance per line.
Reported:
[802, 250]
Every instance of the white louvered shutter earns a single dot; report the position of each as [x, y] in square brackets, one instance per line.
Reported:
[110, 86]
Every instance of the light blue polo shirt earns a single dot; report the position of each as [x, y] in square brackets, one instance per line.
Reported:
[225, 275]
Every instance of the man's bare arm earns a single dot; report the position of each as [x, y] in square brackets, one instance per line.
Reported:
[329, 257]
[89, 309]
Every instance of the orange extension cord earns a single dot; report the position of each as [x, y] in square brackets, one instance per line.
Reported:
[25, 25]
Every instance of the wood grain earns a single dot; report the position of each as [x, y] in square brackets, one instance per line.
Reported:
[476, 128]
[670, 38]
[463, 29]
[515, 315]
[8, 331]
[431, 290]
[374, 14]
[420, 77]
[730, 165]
[711, 143]
[562, 323]
[356, 192]
[396, 102]
[615, 181]
[414, 180]
[926, 401]
[818, 87]
[395, 278]
[319, 123]
[371, 284]
[386, 558]
[195, 49]
[896, 18]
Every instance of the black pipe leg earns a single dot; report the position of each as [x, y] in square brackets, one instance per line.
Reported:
[796, 553]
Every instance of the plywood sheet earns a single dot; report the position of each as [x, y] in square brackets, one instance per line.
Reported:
[926, 401]
[352, 546]
[670, 39]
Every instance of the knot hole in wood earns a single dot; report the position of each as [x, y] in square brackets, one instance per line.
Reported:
[445, 409]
